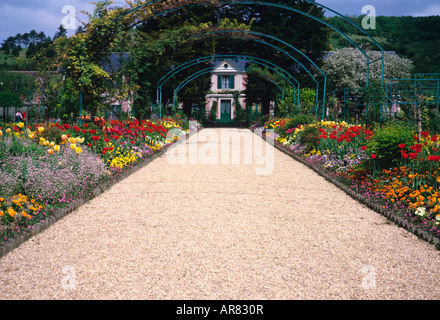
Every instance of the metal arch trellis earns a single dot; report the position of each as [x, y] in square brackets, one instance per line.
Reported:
[286, 53]
[159, 98]
[209, 70]
[284, 7]
[289, 8]
[408, 91]
[188, 64]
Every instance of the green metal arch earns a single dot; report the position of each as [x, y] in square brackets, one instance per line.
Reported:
[209, 70]
[277, 48]
[287, 54]
[273, 38]
[219, 57]
[285, 7]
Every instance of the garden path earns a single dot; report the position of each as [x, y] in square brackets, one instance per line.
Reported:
[216, 231]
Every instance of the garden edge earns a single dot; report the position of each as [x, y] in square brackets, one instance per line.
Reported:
[399, 221]
[39, 227]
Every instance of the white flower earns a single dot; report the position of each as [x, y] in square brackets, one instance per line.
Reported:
[421, 211]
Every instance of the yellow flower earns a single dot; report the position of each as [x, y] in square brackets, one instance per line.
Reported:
[50, 151]
[8, 130]
[51, 144]
[78, 150]
[64, 137]
[56, 148]
[31, 135]
[40, 129]
[72, 140]
[72, 146]
[21, 125]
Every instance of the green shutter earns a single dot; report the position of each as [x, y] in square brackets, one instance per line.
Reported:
[232, 82]
[219, 82]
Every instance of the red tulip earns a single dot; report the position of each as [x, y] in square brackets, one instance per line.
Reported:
[373, 156]
[413, 155]
[364, 148]
[402, 146]
[434, 158]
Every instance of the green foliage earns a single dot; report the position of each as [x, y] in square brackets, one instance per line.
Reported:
[240, 113]
[213, 111]
[307, 99]
[385, 143]
[309, 137]
[9, 99]
[301, 119]
[16, 82]
[416, 38]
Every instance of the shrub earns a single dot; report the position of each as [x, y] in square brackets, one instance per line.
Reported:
[385, 143]
[309, 137]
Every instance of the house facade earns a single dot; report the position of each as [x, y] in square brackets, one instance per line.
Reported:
[228, 82]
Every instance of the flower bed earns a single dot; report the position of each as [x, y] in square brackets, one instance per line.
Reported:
[355, 158]
[48, 167]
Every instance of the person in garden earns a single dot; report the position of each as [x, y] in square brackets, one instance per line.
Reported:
[18, 116]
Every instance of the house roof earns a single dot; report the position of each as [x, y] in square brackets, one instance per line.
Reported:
[229, 65]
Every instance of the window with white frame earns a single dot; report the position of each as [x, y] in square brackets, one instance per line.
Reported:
[226, 81]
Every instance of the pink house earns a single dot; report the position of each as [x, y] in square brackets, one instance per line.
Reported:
[228, 79]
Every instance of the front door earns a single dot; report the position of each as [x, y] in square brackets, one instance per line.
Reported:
[225, 111]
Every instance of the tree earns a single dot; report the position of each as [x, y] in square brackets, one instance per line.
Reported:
[15, 82]
[347, 68]
[166, 43]
[306, 34]
[62, 32]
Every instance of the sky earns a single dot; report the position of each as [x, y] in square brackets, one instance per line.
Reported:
[21, 16]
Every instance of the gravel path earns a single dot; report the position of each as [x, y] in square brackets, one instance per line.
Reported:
[216, 231]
